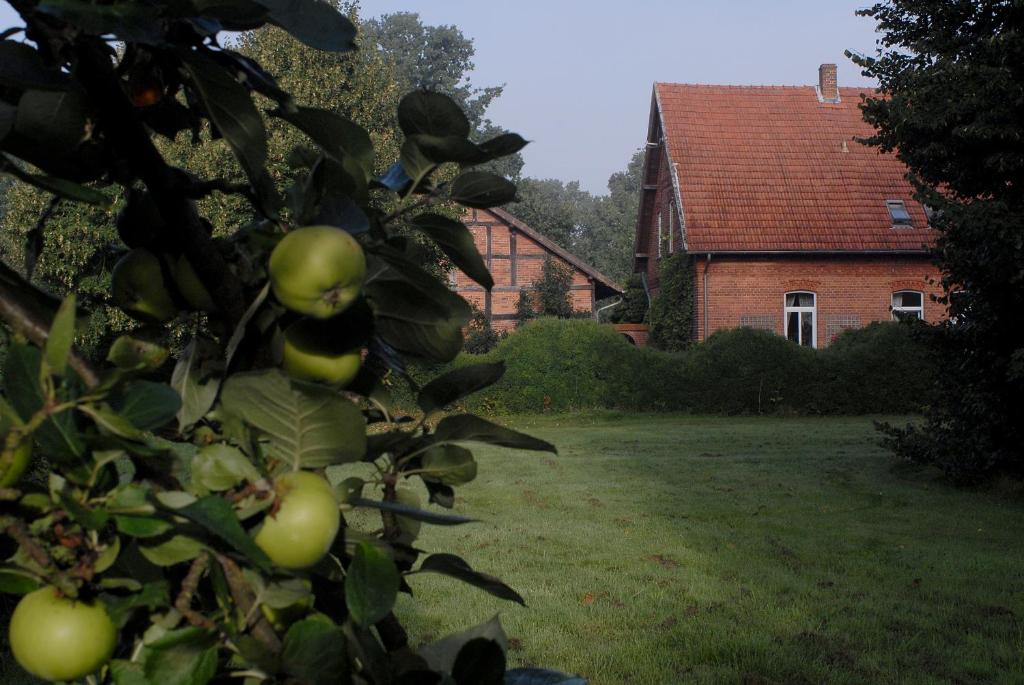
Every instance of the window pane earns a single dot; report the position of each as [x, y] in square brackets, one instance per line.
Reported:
[807, 329]
[800, 300]
[793, 326]
[909, 299]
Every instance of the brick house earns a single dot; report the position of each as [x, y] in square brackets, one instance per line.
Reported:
[791, 225]
[514, 253]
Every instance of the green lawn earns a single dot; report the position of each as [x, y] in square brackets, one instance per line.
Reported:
[748, 550]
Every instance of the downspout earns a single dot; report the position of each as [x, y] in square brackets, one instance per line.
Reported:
[707, 266]
[647, 291]
[597, 313]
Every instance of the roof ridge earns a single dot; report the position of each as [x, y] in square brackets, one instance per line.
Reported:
[756, 86]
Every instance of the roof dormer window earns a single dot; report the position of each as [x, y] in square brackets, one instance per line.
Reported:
[898, 212]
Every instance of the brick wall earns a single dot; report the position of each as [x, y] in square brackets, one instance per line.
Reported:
[515, 261]
[659, 185]
[851, 291]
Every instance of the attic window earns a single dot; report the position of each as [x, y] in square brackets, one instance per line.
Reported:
[898, 212]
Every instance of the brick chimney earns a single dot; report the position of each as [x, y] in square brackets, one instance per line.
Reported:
[828, 86]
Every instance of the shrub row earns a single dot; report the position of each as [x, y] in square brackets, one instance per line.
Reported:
[565, 365]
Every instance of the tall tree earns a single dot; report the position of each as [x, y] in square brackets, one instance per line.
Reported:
[600, 229]
[556, 209]
[951, 75]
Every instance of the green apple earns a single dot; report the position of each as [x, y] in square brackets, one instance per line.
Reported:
[138, 287]
[190, 287]
[314, 351]
[317, 271]
[12, 466]
[301, 530]
[60, 639]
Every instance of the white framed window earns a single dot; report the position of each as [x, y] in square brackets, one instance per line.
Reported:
[661, 236]
[801, 317]
[907, 304]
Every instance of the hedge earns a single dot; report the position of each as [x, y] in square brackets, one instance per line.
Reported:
[567, 365]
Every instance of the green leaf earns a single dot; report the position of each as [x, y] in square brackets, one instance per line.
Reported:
[455, 567]
[7, 116]
[416, 164]
[441, 149]
[58, 437]
[415, 312]
[501, 146]
[337, 136]
[133, 354]
[441, 655]
[22, 66]
[448, 464]
[433, 114]
[182, 657]
[457, 242]
[58, 186]
[306, 425]
[196, 378]
[371, 585]
[152, 596]
[216, 515]
[315, 653]
[141, 526]
[480, 662]
[317, 24]
[92, 519]
[232, 111]
[174, 550]
[148, 405]
[14, 581]
[482, 189]
[56, 120]
[112, 423]
[221, 467]
[415, 513]
[127, 20]
[61, 336]
[127, 673]
[469, 428]
[458, 383]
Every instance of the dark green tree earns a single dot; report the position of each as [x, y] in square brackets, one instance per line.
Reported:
[672, 311]
[951, 106]
[634, 306]
[524, 307]
[552, 292]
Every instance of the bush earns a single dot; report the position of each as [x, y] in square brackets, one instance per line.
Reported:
[567, 365]
[889, 367]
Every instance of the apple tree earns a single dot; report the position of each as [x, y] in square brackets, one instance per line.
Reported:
[176, 511]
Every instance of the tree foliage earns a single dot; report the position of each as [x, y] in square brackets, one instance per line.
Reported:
[951, 77]
[635, 304]
[551, 290]
[440, 59]
[600, 229]
[159, 480]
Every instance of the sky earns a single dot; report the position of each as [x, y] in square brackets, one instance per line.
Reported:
[578, 73]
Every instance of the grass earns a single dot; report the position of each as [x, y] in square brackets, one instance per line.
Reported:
[746, 550]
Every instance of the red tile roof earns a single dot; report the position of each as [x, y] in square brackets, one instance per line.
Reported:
[773, 169]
